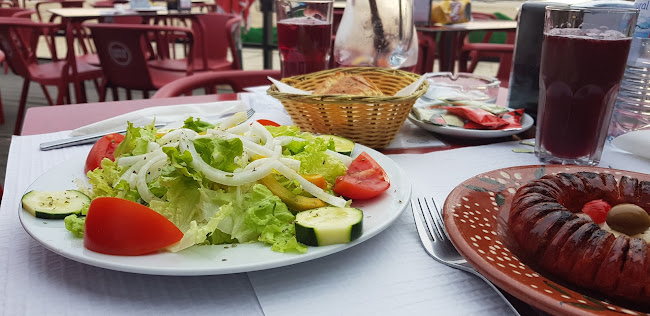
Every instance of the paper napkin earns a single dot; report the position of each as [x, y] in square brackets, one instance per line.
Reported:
[163, 114]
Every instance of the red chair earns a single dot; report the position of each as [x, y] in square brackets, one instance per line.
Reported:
[18, 39]
[215, 38]
[125, 51]
[426, 53]
[16, 12]
[238, 80]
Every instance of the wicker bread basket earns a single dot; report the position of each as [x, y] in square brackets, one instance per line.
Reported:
[373, 121]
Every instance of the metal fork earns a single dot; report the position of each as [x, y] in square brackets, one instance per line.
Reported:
[431, 228]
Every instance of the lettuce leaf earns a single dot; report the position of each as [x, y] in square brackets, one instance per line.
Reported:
[197, 125]
[102, 180]
[136, 140]
[182, 198]
[220, 153]
[314, 159]
[75, 225]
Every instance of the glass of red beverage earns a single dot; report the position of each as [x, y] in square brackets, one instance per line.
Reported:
[304, 35]
[584, 53]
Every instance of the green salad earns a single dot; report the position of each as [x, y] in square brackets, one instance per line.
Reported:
[207, 180]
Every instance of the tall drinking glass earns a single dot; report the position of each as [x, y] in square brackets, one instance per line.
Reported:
[304, 35]
[583, 58]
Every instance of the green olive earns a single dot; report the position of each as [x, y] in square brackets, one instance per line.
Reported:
[629, 219]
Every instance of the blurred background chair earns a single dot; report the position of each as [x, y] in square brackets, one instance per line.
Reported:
[472, 53]
[216, 45]
[16, 12]
[125, 51]
[426, 54]
[19, 38]
[237, 80]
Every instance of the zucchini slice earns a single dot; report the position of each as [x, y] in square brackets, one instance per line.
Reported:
[54, 204]
[341, 145]
[328, 225]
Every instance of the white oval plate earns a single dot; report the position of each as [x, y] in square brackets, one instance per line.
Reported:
[379, 213]
[526, 123]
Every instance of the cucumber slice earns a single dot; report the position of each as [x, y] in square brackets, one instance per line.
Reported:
[54, 204]
[341, 145]
[328, 225]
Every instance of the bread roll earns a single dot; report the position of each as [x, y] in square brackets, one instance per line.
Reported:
[348, 84]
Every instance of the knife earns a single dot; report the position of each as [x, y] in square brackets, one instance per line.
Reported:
[83, 139]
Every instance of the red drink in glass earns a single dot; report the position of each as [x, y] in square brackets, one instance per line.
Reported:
[304, 45]
[579, 80]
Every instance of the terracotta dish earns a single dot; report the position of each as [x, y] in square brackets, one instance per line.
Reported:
[476, 214]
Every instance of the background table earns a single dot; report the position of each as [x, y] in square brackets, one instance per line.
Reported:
[451, 37]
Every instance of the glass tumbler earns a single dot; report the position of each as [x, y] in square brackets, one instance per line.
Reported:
[304, 35]
[584, 53]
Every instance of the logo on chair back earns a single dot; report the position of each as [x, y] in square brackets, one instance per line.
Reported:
[119, 53]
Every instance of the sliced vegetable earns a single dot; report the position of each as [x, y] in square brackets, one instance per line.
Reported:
[121, 227]
[341, 145]
[54, 204]
[295, 202]
[316, 179]
[267, 122]
[103, 148]
[597, 210]
[329, 225]
[365, 179]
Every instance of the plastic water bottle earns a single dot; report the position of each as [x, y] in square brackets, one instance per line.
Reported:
[632, 110]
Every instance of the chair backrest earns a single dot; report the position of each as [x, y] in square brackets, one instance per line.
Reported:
[238, 80]
[124, 51]
[480, 36]
[216, 35]
[18, 39]
[16, 12]
[483, 16]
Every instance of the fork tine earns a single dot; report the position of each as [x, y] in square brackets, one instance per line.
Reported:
[438, 220]
[431, 222]
[424, 209]
[424, 230]
[416, 209]
[250, 113]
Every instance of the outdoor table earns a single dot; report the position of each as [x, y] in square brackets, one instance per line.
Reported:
[389, 274]
[451, 37]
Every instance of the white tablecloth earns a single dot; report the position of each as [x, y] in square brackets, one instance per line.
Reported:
[389, 274]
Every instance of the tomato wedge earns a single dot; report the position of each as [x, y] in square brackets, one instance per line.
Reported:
[267, 122]
[121, 227]
[103, 148]
[364, 179]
